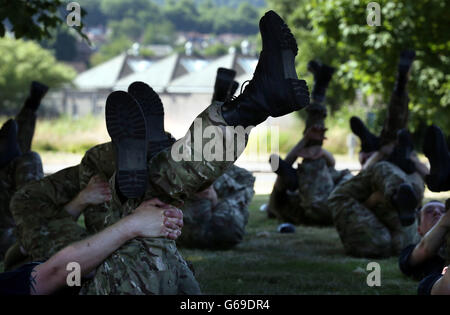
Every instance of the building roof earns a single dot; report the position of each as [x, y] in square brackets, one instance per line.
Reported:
[106, 74]
[203, 81]
[173, 74]
[158, 75]
[103, 76]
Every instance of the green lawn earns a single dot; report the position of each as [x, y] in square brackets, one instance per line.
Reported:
[311, 261]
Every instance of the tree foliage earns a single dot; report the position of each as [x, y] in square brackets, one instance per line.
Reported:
[23, 62]
[34, 19]
[336, 32]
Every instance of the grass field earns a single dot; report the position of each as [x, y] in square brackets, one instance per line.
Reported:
[311, 261]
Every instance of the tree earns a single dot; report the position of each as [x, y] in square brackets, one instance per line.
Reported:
[159, 33]
[34, 19]
[64, 45]
[23, 62]
[366, 57]
[110, 50]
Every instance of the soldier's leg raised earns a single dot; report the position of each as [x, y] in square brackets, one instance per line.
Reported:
[274, 91]
[397, 116]
[26, 119]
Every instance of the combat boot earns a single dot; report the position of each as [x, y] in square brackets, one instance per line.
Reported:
[9, 147]
[322, 77]
[275, 89]
[436, 150]
[406, 202]
[126, 125]
[369, 142]
[286, 172]
[153, 110]
[37, 93]
[223, 85]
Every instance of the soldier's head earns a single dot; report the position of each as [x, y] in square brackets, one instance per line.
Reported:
[429, 215]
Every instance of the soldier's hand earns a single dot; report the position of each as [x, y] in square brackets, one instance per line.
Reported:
[96, 192]
[153, 218]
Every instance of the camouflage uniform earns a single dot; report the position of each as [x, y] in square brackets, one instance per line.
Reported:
[373, 232]
[153, 265]
[222, 226]
[308, 205]
[316, 113]
[22, 170]
[43, 226]
[397, 117]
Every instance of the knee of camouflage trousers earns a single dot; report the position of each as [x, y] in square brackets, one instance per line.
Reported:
[371, 232]
[387, 177]
[28, 169]
[361, 233]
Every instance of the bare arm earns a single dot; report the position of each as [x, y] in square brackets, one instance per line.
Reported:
[292, 156]
[315, 132]
[421, 168]
[151, 219]
[442, 286]
[430, 243]
[376, 157]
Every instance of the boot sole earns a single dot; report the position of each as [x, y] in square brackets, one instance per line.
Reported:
[152, 109]
[299, 91]
[126, 126]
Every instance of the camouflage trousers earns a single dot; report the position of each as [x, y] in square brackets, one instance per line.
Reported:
[24, 169]
[43, 226]
[221, 226]
[309, 204]
[170, 180]
[316, 113]
[397, 117]
[375, 232]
